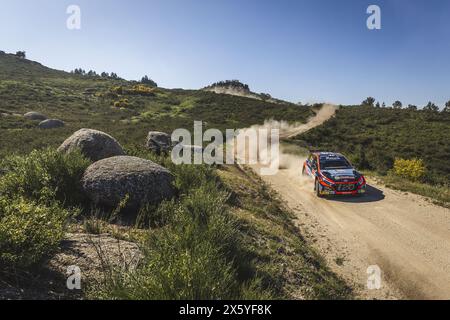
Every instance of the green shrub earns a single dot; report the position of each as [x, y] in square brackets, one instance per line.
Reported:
[29, 231]
[122, 103]
[45, 175]
[191, 258]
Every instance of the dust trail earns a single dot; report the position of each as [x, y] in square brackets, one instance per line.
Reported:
[253, 150]
[323, 114]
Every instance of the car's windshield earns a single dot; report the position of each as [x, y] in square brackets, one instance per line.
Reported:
[334, 164]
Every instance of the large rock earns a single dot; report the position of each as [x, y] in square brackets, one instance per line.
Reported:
[32, 115]
[94, 144]
[51, 124]
[159, 142]
[109, 181]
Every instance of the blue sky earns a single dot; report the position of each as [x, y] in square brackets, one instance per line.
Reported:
[296, 50]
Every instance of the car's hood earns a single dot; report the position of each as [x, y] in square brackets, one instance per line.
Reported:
[341, 174]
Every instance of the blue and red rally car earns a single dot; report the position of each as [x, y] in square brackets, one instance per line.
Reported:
[333, 175]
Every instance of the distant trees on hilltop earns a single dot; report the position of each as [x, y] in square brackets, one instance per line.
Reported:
[447, 107]
[397, 105]
[21, 54]
[235, 84]
[369, 102]
[430, 107]
[93, 74]
[146, 80]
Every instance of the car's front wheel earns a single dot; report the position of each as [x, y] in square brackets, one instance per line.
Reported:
[318, 188]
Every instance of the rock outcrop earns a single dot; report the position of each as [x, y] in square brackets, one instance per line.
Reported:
[93, 144]
[32, 115]
[51, 124]
[109, 181]
[159, 142]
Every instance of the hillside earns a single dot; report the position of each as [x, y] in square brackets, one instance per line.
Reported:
[83, 101]
[223, 235]
[374, 137]
[12, 67]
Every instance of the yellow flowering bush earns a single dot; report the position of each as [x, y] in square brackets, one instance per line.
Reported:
[139, 89]
[413, 169]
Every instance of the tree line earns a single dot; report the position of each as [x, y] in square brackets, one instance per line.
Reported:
[230, 83]
[432, 107]
[91, 73]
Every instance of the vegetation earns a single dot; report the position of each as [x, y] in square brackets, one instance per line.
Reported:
[369, 102]
[44, 176]
[93, 74]
[397, 105]
[373, 138]
[201, 244]
[147, 81]
[431, 107]
[28, 86]
[413, 169]
[438, 194]
[21, 54]
[38, 193]
[29, 232]
[447, 107]
[235, 84]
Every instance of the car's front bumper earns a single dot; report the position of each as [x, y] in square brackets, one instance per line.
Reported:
[330, 190]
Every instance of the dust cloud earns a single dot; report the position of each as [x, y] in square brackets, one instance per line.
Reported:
[256, 146]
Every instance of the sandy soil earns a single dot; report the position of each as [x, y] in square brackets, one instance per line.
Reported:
[407, 237]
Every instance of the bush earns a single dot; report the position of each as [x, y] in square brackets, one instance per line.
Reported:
[29, 231]
[45, 175]
[122, 103]
[141, 90]
[191, 258]
[138, 89]
[411, 169]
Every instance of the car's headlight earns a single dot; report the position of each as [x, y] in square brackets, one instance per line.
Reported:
[361, 181]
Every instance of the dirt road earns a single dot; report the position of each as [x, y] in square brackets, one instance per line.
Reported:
[407, 237]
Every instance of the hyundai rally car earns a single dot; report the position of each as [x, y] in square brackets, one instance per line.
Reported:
[333, 175]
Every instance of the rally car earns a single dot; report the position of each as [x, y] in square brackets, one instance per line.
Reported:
[333, 174]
